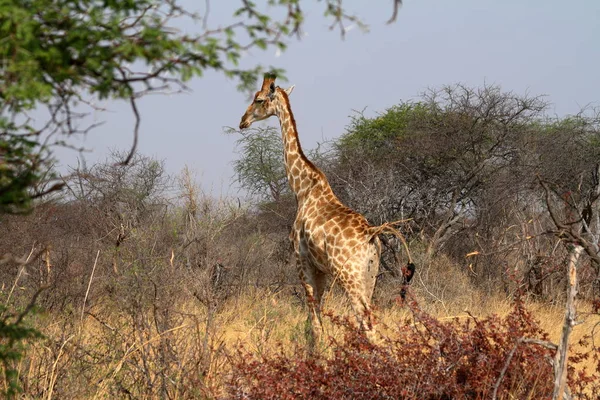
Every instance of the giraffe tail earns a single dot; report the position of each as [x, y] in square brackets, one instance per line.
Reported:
[388, 227]
[409, 270]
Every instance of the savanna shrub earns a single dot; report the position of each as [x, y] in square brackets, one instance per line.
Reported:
[422, 358]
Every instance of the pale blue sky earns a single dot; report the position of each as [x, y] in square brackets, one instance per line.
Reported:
[546, 47]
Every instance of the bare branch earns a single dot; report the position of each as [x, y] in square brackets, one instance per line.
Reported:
[136, 129]
[397, 5]
[31, 304]
[504, 369]
[560, 365]
[567, 232]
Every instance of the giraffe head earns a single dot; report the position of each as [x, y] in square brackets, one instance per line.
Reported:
[265, 101]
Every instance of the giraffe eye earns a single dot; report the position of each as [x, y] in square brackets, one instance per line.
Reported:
[259, 101]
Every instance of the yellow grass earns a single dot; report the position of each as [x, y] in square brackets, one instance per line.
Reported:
[260, 320]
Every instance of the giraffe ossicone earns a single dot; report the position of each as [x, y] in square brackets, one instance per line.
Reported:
[331, 241]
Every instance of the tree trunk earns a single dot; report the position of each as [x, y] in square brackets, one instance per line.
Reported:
[560, 360]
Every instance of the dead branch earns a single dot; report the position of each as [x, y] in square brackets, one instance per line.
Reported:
[504, 369]
[397, 5]
[567, 232]
[560, 364]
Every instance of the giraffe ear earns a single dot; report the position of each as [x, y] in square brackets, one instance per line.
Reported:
[272, 90]
[289, 90]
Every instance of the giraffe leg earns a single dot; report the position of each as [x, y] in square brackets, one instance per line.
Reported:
[322, 282]
[315, 285]
[370, 274]
[363, 312]
[371, 270]
[356, 289]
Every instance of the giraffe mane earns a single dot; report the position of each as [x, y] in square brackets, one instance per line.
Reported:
[286, 99]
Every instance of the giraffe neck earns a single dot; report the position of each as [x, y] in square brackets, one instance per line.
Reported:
[301, 173]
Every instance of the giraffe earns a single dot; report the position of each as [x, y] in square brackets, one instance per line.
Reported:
[331, 241]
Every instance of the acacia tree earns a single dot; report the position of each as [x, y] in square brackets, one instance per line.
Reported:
[433, 160]
[465, 164]
[570, 175]
[63, 56]
[260, 168]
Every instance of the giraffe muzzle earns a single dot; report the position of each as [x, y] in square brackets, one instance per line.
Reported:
[244, 123]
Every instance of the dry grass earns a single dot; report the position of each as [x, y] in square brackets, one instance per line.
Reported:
[166, 333]
[109, 354]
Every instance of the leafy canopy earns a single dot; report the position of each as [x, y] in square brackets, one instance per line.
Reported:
[63, 56]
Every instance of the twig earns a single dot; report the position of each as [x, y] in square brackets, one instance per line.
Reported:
[23, 264]
[53, 374]
[567, 232]
[505, 368]
[135, 131]
[31, 304]
[54, 188]
[206, 13]
[543, 343]
[397, 5]
[101, 322]
[88, 291]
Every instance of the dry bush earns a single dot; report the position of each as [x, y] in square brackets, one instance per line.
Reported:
[424, 358]
[137, 312]
[156, 353]
[446, 285]
[159, 340]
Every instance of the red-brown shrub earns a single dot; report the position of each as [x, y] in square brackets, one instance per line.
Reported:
[423, 358]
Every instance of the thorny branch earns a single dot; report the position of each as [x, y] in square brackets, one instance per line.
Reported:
[567, 231]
